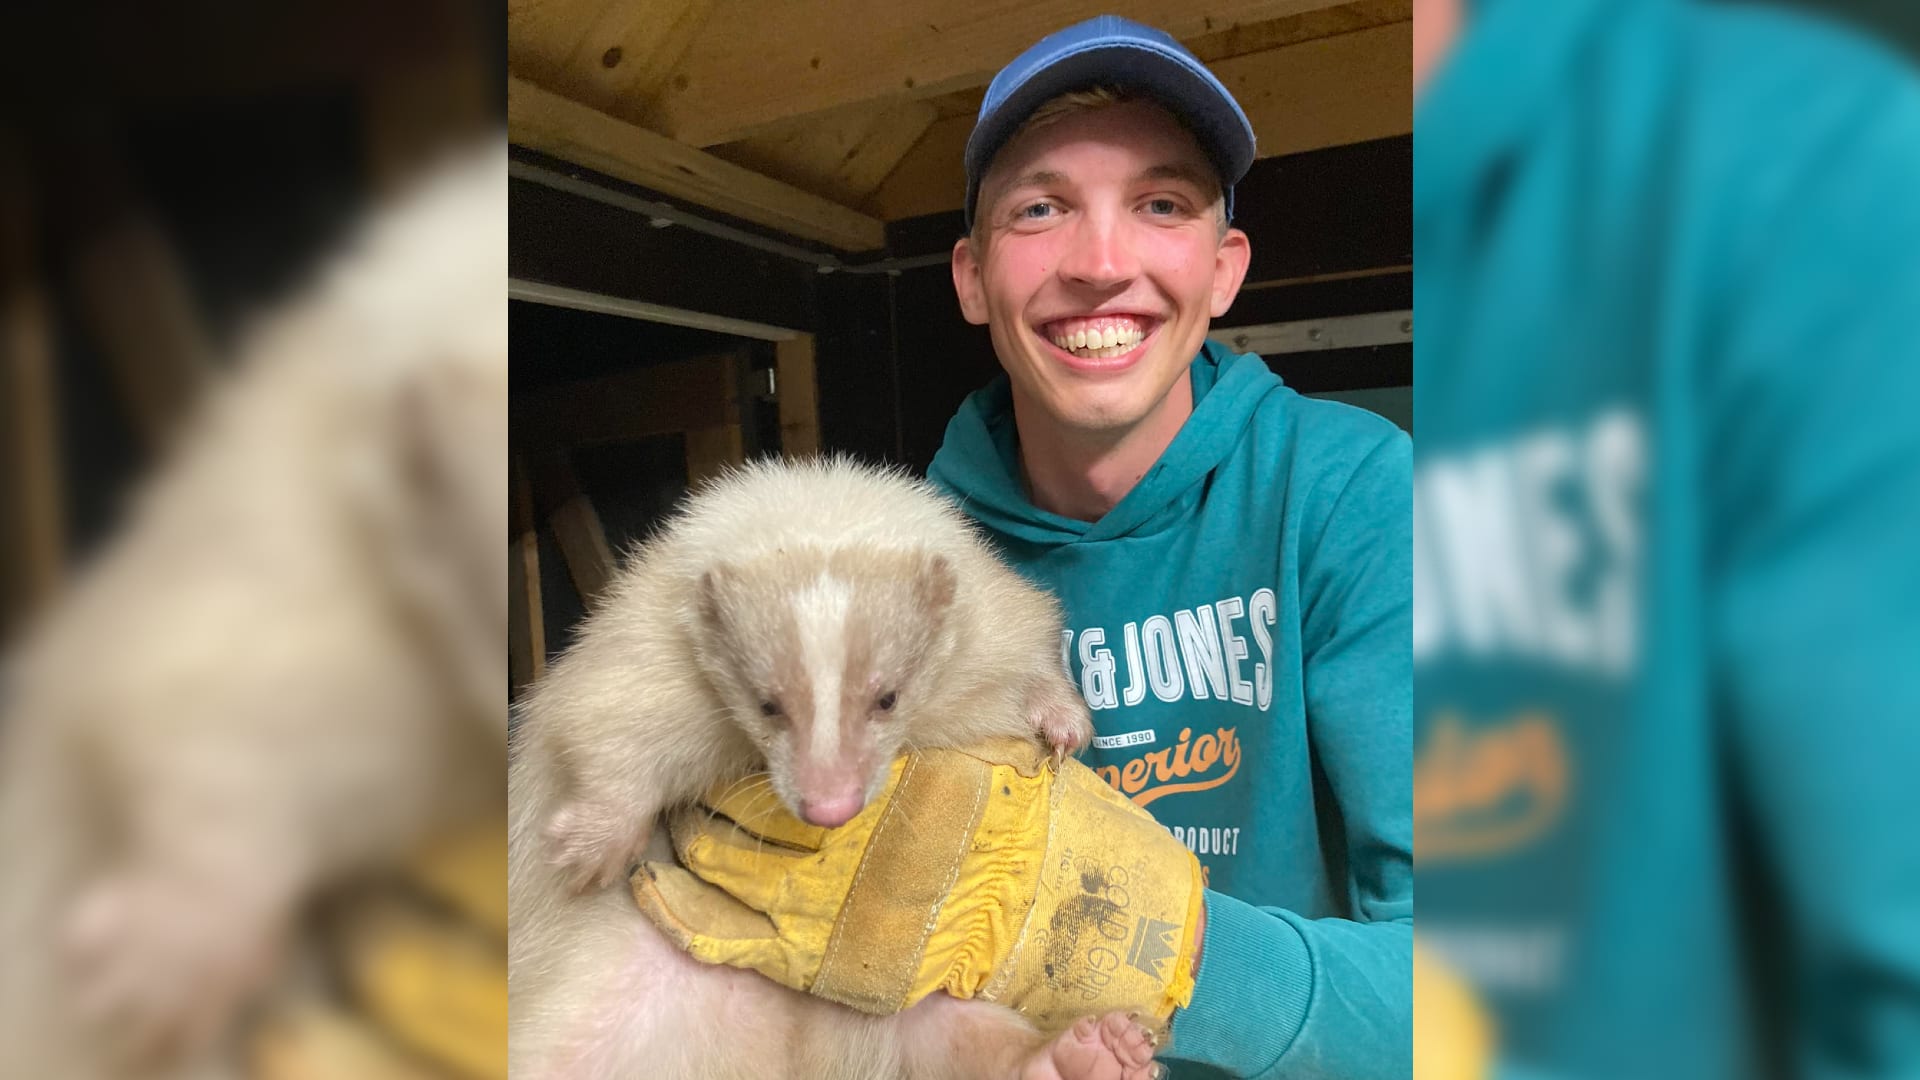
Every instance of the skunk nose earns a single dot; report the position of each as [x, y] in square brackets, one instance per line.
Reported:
[829, 812]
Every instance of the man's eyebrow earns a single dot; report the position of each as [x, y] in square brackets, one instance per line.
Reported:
[1040, 178]
[1191, 174]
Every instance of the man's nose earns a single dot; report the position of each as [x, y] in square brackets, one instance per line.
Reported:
[1099, 254]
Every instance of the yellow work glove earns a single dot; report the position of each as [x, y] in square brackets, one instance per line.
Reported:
[424, 960]
[988, 873]
[437, 987]
[1452, 1037]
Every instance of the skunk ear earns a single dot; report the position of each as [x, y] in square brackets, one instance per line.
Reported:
[936, 583]
[425, 429]
[714, 582]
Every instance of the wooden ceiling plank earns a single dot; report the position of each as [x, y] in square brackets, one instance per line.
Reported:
[842, 156]
[810, 56]
[893, 133]
[959, 103]
[544, 37]
[545, 121]
[1326, 92]
[631, 50]
[931, 178]
[1256, 37]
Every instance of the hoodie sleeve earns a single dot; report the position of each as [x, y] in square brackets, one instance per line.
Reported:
[1283, 996]
[1814, 586]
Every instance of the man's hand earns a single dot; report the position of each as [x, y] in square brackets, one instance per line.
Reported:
[987, 874]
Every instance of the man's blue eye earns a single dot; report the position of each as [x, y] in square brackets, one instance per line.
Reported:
[1036, 210]
[1163, 206]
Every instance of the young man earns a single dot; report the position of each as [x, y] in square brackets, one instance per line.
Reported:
[1234, 560]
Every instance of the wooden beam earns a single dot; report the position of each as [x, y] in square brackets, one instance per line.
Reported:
[710, 451]
[712, 448]
[659, 400]
[1306, 96]
[33, 511]
[842, 156]
[414, 107]
[140, 311]
[1342, 275]
[566, 129]
[129, 283]
[576, 526]
[758, 64]
[583, 544]
[527, 628]
[799, 397]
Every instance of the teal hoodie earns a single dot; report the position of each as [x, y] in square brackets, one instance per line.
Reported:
[1239, 626]
[1667, 640]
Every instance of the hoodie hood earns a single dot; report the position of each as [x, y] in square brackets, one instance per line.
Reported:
[1513, 61]
[979, 461]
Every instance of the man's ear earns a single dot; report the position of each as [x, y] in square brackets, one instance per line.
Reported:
[1229, 269]
[967, 284]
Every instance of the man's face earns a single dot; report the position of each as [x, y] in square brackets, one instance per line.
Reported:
[1100, 226]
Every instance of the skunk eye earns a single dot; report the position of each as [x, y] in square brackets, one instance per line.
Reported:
[885, 704]
[769, 708]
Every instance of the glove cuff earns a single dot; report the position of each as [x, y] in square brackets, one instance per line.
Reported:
[1116, 917]
[904, 878]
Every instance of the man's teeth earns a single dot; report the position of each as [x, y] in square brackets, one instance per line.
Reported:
[1102, 342]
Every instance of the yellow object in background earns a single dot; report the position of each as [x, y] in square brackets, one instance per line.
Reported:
[1452, 1037]
[987, 873]
[438, 987]
[425, 971]
[319, 1042]
[468, 871]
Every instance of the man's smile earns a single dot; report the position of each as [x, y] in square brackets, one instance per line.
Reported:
[1099, 337]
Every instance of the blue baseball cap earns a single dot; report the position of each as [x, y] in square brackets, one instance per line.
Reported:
[1108, 50]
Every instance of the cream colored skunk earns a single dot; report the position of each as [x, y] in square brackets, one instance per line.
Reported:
[284, 670]
[813, 620]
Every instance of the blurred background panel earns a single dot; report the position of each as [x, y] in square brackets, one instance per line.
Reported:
[1666, 497]
[173, 179]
